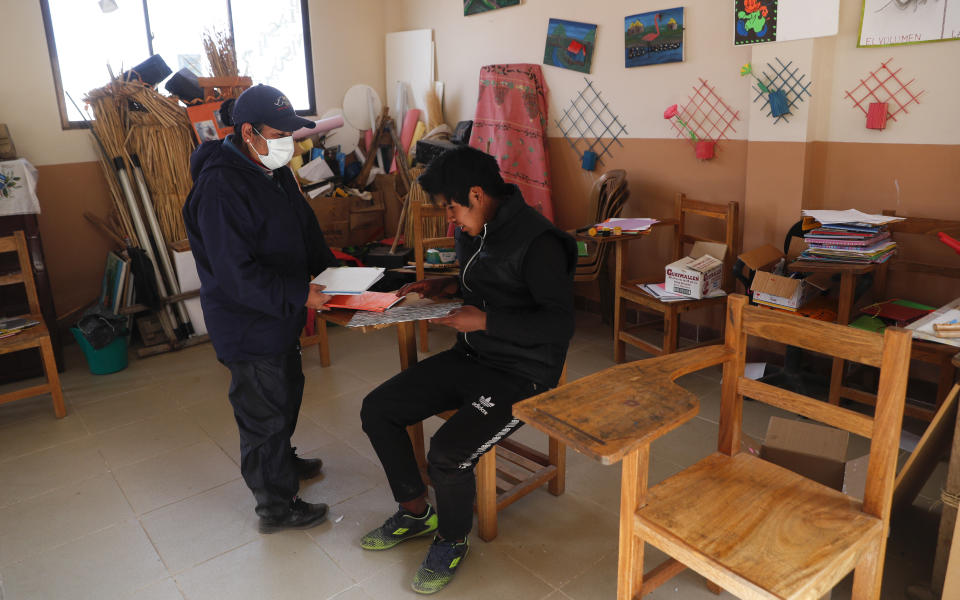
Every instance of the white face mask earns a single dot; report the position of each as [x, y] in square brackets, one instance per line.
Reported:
[279, 151]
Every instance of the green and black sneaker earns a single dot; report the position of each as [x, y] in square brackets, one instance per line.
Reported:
[401, 527]
[440, 565]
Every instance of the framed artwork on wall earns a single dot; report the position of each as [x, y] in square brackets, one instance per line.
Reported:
[570, 45]
[653, 38]
[473, 7]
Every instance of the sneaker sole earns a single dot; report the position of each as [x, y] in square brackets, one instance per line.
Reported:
[406, 539]
[268, 529]
[413, 586]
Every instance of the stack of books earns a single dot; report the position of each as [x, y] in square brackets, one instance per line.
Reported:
[659, 291]
[849, 243]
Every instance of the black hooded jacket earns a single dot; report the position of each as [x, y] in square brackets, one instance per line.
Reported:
[520, 272]
[256, 243]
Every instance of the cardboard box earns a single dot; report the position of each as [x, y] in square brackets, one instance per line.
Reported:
[814, 451]
[786, 292]
[699, 273]
[763, 258]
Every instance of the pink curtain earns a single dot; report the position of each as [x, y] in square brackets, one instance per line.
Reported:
[511, 124]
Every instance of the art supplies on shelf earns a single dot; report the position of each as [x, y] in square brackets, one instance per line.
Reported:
[936, 326]
[619, 226]
[897, 312]
[348, 280]
[367, 301]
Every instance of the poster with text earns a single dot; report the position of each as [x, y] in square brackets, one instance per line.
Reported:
[896, 22]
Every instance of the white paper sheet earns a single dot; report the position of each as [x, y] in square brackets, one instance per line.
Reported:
[348, 280]
[830, 217]
[923, 328]
[401, 314]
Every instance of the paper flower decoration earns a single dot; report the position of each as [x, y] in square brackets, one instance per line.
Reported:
[747, 69]
[672, 112]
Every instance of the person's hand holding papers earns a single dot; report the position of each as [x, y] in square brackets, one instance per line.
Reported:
[436, 287]
[316, 299]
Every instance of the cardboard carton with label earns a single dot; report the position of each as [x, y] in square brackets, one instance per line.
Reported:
[699, 273]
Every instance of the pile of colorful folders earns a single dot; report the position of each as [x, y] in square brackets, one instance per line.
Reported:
[849, 243]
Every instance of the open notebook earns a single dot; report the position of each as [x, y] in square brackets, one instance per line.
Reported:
[348, 280]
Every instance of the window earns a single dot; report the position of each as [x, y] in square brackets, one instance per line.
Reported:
[273, 44]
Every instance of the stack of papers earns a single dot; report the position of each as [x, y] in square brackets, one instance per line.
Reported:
[659, 291]
[348, 280]
[627, 225]
[864, 240]
[14, 325]
[368, 301]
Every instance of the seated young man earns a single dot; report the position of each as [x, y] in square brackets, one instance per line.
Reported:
[514, 327]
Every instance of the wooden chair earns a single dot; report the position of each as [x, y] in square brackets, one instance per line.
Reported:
[509, 471]
[628, 291]
[757, 529]
[420, 211]
[35, 337]
[607, 197]
[933, 353]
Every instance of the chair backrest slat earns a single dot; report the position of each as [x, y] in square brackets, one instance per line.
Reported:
[890, 352]
[727, 213]
[840, 418]
[858, 345]
[18, 243]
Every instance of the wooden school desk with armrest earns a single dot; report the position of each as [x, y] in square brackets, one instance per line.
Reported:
[757, 529]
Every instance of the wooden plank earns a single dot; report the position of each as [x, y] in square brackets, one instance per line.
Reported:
[525, 451]
[486, 495]
[661, 574]
[558, 458]
[835, 416]
[857, 345]
[910, 410]
[609, 414]
[11, 278]
[533, 481]
[29, 392]
[923, 460]
[731, 401]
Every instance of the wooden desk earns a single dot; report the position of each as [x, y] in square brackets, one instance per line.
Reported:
[614, 415]
[848, 277]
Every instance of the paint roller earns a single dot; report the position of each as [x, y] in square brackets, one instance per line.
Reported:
[320, 127]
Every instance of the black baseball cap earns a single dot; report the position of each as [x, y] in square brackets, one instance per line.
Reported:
[268, 105]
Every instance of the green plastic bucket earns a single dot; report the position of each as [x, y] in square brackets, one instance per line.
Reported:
[109, 359]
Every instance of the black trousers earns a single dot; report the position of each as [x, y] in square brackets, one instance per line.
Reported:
[266, 396]
[483, 398]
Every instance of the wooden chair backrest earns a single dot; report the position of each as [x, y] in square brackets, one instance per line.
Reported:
[890, 352]
[607, 198]
[928, 228]
[419, 212]
[18, 243]
[728, 213]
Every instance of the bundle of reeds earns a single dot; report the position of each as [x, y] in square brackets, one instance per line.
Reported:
[222, 56]
[132, 118]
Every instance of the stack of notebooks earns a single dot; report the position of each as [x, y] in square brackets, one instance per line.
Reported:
[13, 325]
[849, 243]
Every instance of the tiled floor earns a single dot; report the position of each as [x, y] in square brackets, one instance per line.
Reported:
[137, 493]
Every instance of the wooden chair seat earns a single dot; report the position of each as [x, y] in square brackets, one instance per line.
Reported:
[757, 529]
[28, 338]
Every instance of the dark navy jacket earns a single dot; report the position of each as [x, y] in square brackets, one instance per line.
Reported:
[256, 242]
[520, 272]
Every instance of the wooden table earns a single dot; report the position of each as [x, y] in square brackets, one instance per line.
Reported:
[848, 278]
[615, 415]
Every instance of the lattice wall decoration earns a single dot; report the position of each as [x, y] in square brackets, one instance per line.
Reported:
[881, 96]
[782, 88]
[705, 119]
[585, 123]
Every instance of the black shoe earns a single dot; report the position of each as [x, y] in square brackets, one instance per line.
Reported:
[306, 468]
[302, 515]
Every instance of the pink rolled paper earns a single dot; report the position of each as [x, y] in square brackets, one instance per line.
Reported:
[322, 126]
[406, 134]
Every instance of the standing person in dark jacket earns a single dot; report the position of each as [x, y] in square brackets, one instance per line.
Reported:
[514, 328]
[256, 243]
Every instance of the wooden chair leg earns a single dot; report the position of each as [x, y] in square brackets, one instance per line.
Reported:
[716, 589]
[619, 346]
[486, 472]
[869, 573]
[53, 378]
[324, 345]
[558, 457]
[670, 331]
[424, 336]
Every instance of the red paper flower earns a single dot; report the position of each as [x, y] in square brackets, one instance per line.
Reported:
[671, 112]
